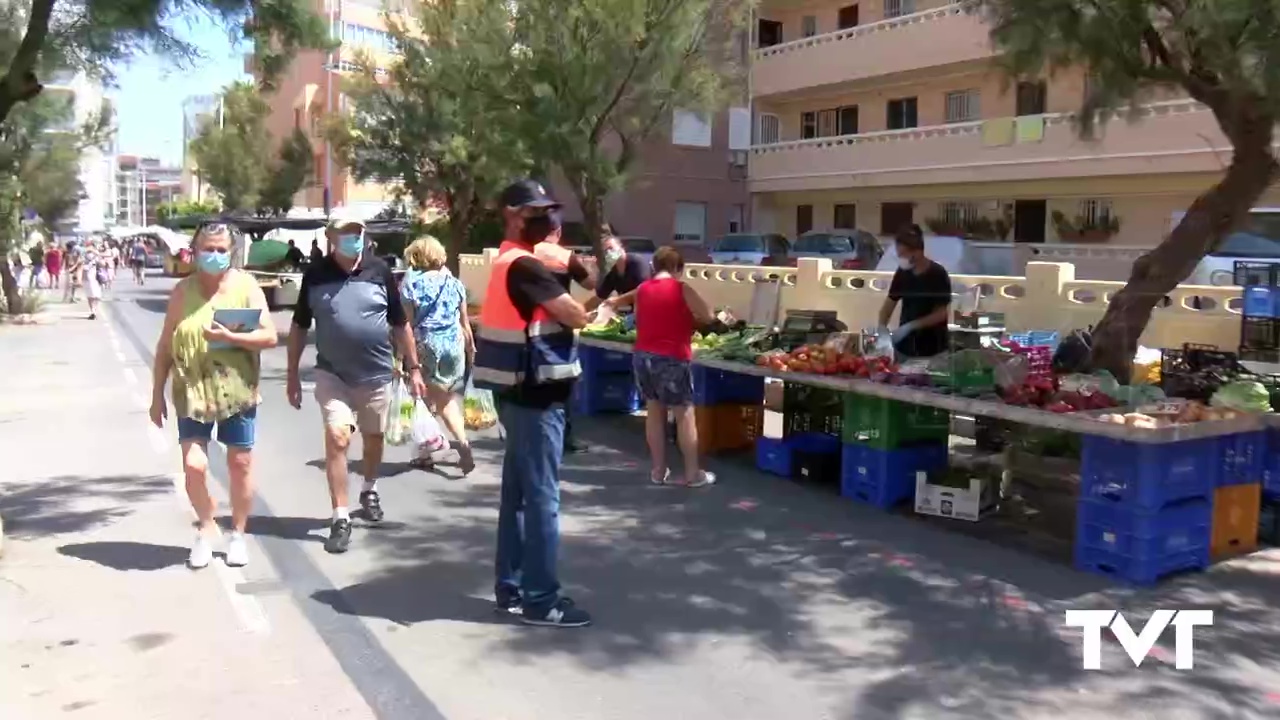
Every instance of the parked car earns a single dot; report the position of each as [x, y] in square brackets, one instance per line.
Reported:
[847, 249]
[638, 247]
[1258, 239]
[751, 249]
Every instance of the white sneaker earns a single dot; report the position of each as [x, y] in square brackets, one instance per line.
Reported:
[201, 553]
[237, 550]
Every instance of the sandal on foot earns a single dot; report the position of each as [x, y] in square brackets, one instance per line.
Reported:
[466, 461]
[659, 478]
[703, 479]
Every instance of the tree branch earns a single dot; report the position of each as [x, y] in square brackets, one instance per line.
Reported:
[19, 83]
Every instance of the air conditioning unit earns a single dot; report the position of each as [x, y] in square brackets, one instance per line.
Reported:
[738, 158]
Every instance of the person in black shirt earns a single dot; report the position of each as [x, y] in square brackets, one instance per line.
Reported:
[924, 289]
[621, 273]
[316, 253]
[294, 256]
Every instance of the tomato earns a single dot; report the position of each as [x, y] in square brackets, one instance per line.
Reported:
[762, 360]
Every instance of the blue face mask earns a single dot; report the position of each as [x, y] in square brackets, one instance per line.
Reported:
[351, 245]
[212, 262]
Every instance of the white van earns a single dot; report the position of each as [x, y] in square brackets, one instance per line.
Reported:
[1257, 239]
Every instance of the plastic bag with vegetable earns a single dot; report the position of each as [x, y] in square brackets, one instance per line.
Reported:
[478, 409]
[1245, 396]
[398, 424]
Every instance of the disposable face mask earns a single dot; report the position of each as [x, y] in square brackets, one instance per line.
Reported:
[212, 262]
[611, 258]
[536, 229]
[905, 263]
[351, 245]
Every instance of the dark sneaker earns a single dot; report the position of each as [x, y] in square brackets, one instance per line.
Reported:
[574, 447]
[509, 603]
[371, 506]
[339, 537]
[563, 614]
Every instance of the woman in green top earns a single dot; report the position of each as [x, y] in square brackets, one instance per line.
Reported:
[215, 373]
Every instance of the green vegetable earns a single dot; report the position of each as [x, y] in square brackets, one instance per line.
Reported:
[1245, 396]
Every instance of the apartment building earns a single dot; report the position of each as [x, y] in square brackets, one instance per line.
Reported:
[688, 184]
[85, 96]
[142, 184]
[311, 89]
[874, 113]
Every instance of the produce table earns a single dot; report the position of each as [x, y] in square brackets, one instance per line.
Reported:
[1083, 423]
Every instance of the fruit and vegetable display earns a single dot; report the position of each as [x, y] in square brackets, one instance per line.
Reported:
[616, 329]
[824, 360]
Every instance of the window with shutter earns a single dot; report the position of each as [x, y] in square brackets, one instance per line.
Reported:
[962, 106]
[900, 114]
[808, 26]
[690, 222]
[769, 129]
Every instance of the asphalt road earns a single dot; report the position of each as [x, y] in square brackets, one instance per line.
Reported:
[754, 599]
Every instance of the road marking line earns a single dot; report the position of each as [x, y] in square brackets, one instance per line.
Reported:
[250, 613]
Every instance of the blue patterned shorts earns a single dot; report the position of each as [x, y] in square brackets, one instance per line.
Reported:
[663, 379]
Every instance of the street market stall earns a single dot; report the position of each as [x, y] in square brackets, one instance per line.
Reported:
[1141, 482]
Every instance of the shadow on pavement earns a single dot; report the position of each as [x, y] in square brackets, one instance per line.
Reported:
[913, 620]
[287, 528]
[73, 503]
[127, 555]
[354, 466]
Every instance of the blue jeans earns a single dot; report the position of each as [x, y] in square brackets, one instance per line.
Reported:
[529, 514]
[237, 431]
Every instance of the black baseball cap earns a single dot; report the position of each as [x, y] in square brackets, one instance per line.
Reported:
[527, 193]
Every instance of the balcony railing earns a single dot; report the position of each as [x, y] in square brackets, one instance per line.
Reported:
[938, 36]
[1181, 135]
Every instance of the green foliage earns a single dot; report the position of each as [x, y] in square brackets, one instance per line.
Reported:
[292, 170]
[232, 154]
[38, 36]
[603, 77]
[185, 208]
[442, 124]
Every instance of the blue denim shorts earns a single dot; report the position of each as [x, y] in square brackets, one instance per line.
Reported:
[237, 431]
[663, 379]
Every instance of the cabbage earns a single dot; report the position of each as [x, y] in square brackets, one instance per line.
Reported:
[1245, 396]
[1138, 395]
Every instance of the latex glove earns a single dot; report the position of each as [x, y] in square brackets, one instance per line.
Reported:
[904, 330]
[882, 331]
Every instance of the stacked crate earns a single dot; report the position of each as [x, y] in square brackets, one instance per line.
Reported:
[607, 384]
[1269, 512]
[1145, 510]
[1237, 497]
[885, 443]
[728, 409]
[807, 445]
[1260, 314]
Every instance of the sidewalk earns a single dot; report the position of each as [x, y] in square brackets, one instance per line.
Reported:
[100, 614]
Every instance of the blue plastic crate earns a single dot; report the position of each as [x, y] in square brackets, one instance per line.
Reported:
[605, 394]
[1271, 464]
[598, 361]
[886, 478]
[773, 456]
[721, 387]
[1148, 476]
[1134, 570]
[1146, 536]
[792, 456]
[1036, 338]
[1260, 301]
[1242, 458]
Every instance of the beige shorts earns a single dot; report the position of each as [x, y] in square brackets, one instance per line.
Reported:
[356, 407]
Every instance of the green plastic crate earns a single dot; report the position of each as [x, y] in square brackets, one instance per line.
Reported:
[889, 424]
[975, 382]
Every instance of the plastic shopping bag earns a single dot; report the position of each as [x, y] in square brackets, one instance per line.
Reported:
[426, 431]
[398, 428]
[478, 409]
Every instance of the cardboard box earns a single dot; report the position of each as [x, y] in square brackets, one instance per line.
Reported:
[981, 497]
[773, 395]
[775, 425]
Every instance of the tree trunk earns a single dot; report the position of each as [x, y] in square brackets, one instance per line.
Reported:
[12, 293]
[593, 218]
[460, 214]
[1209, 219]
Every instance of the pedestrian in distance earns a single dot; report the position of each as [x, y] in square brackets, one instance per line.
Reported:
[93, 270]
[36, 256]
[215, 376]
[53, 258]
[527, 353]
[138, 261]
[436, 302]
[353, 299]
[668, 311]
[75, 272]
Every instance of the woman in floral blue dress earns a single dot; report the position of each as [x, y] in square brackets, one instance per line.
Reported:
[437, 302]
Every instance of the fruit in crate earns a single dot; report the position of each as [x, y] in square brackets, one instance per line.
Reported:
[823, 360]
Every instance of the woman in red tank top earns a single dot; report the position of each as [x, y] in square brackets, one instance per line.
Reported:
[667, 313]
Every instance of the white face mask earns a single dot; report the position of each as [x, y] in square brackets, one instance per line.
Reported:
[905, 263]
